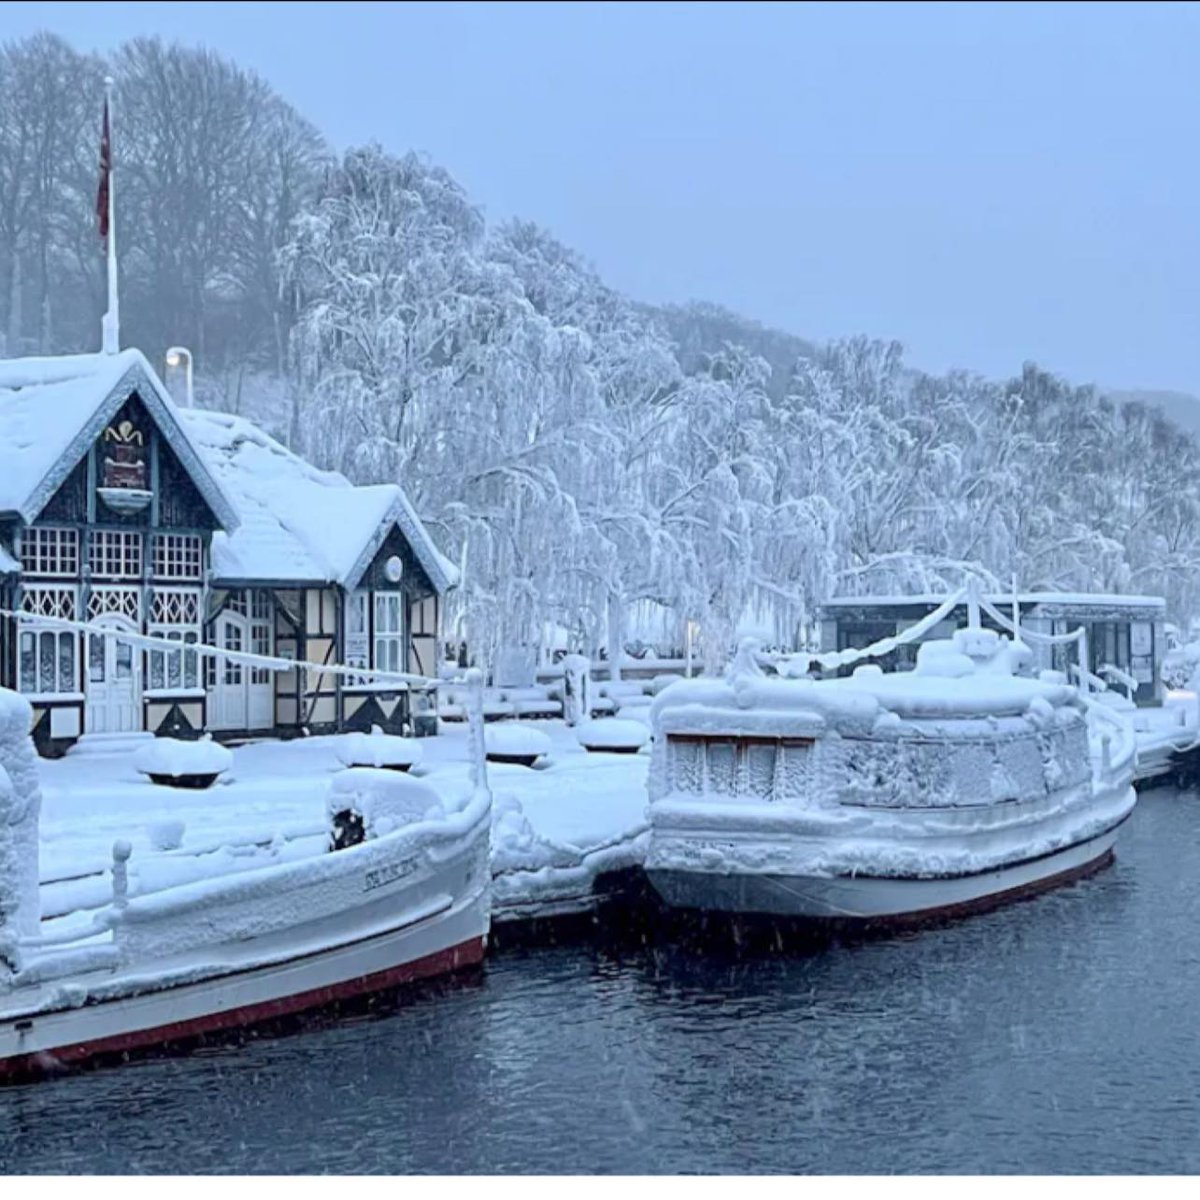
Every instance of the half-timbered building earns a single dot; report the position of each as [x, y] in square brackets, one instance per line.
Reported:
[123, 512]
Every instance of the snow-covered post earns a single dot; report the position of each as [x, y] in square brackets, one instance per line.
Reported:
[120, 873]
[476, 746]
[1084, 683]
[973, 621]
[20, 805]
[616, 637]
[577, 689]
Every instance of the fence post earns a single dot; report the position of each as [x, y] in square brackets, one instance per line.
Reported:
[120, 873]
[577, 689]
[476, 744]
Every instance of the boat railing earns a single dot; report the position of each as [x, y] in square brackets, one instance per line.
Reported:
[1124, 755]
[1114, 674]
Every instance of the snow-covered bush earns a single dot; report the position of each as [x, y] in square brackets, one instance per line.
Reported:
[613, 733]
[378, 749]
[515, 743]
[1181, 667]
[181, 763]
[166, 835]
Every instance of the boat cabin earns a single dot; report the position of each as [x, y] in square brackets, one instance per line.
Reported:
[1125, 636]
[120, 510]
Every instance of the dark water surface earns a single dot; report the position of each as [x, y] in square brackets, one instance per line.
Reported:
[1057, 1035]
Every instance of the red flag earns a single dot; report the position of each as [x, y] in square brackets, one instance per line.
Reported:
[105, 171]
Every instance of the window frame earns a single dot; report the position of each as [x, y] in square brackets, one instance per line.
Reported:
[109, 553]
[48, 600]
[43, 549]
[177, 556]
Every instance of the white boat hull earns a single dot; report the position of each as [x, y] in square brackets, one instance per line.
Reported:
[246, 950]
[434, 945]
[876, 900]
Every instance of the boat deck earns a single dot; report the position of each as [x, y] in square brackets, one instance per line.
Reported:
[576, 816]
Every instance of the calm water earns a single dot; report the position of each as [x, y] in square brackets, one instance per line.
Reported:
[1058, 1035]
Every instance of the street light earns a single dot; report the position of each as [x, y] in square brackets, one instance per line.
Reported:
[175, 356]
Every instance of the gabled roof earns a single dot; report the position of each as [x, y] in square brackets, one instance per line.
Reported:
[53, 409]
[300, 524]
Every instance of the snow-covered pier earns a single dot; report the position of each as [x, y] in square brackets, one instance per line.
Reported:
[558, 826]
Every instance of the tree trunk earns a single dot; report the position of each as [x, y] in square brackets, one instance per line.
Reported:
[13, 349]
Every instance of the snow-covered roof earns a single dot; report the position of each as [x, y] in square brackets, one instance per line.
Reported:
[299, 524]
[53, 409]
[8, 564]
[1082, 599]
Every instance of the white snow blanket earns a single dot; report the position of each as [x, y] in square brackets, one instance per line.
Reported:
[175, 757]
[378, 749]
[580, 814]
[384, 799]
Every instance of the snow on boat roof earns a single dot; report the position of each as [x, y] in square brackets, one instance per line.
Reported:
[710, 705]
[53, 409]
[300, 524]
[933, 599]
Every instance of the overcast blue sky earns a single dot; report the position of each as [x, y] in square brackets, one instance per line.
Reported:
[986, 183]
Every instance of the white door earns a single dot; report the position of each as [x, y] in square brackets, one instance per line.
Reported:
[114, 681]
[230, 698]
[243, 696]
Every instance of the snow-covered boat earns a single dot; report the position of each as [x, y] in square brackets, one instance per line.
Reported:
[408, 898]
[883, 798]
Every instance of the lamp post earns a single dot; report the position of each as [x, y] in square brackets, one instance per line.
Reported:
[175, 356]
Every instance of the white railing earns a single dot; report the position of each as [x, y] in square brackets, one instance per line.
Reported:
[1114, 674]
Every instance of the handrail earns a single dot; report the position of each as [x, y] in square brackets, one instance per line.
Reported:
[1127, 755]
[1116, 675]
[204, 650]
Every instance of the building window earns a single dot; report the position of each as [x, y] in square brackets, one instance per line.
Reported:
[175, 616]
[50, 551]
[47, 657]
[260, 633]
[116, 554]
[106, 600]
[389, 631]
[177, 556]
[358, 633]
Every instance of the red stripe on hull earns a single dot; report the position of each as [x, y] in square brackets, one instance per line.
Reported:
[465, 954]
[981, 904]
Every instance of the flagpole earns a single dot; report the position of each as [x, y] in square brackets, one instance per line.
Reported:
[110, 326]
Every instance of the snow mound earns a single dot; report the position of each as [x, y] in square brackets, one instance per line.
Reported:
[941, 659]
[385, 800]
[378, 749]
[613, 733]
[515, 741]
[175, 758]
[165, 835]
